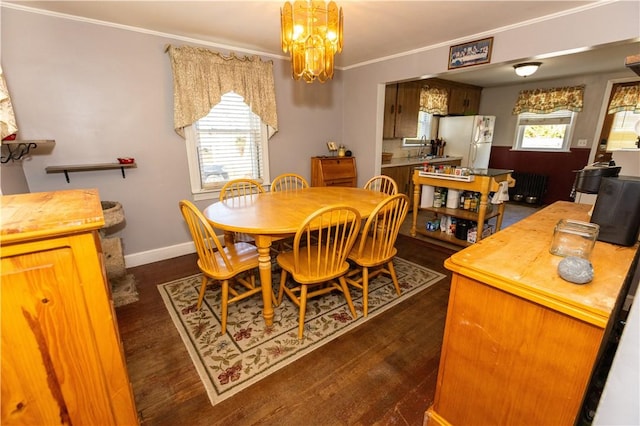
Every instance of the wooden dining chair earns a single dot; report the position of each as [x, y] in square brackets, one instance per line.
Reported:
[319, 268]
[382, 183]
[288, 182]
[241, 190]
[374, 251]
[235, 263]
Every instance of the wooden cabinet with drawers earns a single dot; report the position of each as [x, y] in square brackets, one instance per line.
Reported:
[333, 171]
[62, 359]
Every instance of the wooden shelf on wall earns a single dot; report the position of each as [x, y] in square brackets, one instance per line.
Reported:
[89, 167]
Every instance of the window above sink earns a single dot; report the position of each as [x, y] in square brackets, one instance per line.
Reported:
[427, 129]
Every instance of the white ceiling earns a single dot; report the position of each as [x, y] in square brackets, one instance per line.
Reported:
[372, 29]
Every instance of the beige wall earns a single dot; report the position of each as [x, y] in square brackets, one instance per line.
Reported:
[105, 92]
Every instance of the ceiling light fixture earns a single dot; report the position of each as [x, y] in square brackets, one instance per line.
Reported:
[527, 68]
[312, 32]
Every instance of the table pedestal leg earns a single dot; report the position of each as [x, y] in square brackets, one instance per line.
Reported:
[264, 259]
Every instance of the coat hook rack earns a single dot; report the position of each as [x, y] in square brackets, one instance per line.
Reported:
[19, 150]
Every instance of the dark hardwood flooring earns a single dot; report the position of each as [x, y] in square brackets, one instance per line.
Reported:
[383, 372]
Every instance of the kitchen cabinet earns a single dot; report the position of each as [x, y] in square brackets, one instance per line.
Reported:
[484, 183]
[464, 99]
[402, 176]
[401, 108]
[520, 343]
[333, 171]
[62, 358]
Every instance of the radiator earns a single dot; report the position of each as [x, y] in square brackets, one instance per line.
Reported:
[529, 187]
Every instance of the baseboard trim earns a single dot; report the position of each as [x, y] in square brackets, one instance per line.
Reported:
[156, 255]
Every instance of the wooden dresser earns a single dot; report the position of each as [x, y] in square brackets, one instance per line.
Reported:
[520, 343]
[62, 358]
[333, 171]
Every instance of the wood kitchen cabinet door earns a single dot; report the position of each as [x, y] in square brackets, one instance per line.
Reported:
[400, 175]
[464, 100]
[47, 374]
[402, 105]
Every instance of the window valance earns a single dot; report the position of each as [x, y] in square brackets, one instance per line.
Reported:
[8, 124]
[201, 77]
[434, 100]
[625, 98]
[544, 101]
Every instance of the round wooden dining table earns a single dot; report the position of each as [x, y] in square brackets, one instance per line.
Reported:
[272, 216]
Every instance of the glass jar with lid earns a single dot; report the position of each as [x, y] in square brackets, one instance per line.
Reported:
[574, 238]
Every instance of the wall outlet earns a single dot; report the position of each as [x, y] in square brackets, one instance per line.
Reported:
[582, 142]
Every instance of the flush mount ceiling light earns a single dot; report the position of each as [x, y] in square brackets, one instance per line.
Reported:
[527, 68]
[312, 32]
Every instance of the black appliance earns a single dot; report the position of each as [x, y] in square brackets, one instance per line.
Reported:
[588, 179]
[617, 210]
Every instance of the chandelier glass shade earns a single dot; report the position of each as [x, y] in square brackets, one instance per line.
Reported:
[312, 33]
[526, 69]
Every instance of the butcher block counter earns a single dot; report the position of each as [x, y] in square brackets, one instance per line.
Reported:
[62, 358]
[520, 343]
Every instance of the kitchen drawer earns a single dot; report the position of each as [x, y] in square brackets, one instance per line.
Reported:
[340, 182]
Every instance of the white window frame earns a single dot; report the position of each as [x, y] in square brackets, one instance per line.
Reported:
[197, 190]
[426, 126]
[557, 117]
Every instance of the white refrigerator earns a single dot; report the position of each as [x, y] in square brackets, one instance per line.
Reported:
[469, 137]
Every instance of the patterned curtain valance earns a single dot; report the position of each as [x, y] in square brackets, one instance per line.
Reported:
[201, 77]
[545, 101]
[625, 98]
[434, 100]
[8, 124]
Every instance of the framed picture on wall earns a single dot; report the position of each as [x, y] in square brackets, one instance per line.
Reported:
[472, 53]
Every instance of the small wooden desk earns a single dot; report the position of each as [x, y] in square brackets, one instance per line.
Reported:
[275, 215]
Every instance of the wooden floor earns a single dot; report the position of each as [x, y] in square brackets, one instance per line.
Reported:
[384, 372]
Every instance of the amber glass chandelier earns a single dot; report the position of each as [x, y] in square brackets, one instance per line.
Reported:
[312, 32]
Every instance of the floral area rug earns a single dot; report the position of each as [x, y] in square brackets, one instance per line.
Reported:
[250, 351]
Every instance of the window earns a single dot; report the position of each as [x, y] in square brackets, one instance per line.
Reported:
[425, 125]
[229, 143]
[544, 132]
[623, 130]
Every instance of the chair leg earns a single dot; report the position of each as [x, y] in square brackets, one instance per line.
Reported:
[203, 288]
[303, 309]
[394, 277]
[283, 280]
[347, 295]
[365, 291]
[225, 304]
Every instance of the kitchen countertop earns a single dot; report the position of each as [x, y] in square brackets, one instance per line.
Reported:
[409, 161]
